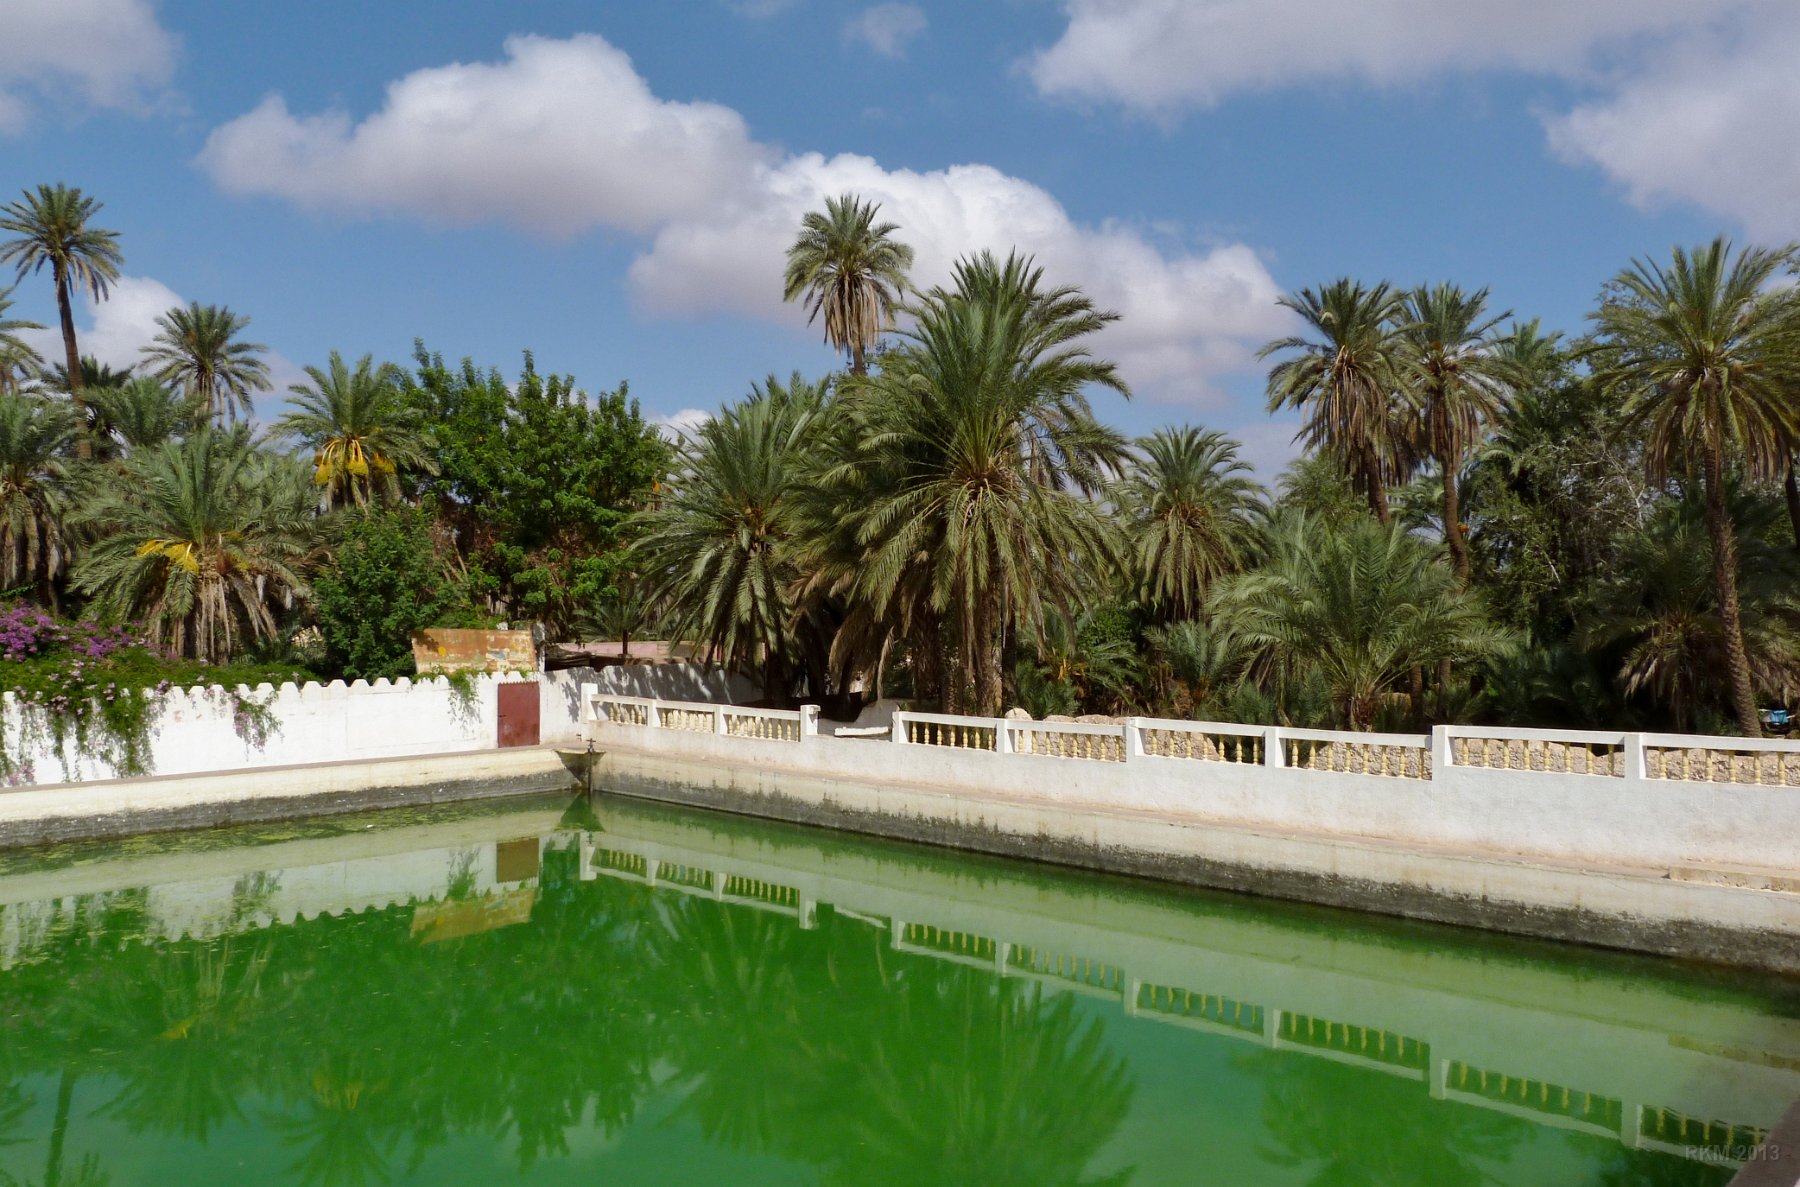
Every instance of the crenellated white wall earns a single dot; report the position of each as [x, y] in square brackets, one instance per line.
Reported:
[194, 730]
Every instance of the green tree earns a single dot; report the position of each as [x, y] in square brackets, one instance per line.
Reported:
[198, 348]
[1347, 378]
[360, 428]
[535, 483]
[719, 545]
[200, 541]
[34, 549]
[1704, 352]
[385, 581]
[1458, 384]
[849, 268]
[19, 361]
[1361, 606]
[982, 448]
[52, 228]
[1191, 511]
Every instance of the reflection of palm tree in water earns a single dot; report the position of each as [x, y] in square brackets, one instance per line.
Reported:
[826, 1048]
[1366, 1128]
[342, 1141]
[87, 1174]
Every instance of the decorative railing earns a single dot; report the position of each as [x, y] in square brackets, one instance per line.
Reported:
[1588, 753]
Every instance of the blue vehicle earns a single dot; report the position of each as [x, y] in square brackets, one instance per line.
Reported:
[1777, 721]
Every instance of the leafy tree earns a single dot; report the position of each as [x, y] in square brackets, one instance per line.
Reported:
[1191, 512]
[52, 228]
[1458, 385]
[1704, 352]
[535, 483]
[19, 361]
[849, 268]
[34, 549]
[360, 428]
[1361, 606]
[198, 348]
[719, 545]
[1347, 376]
[980, 445]
[202, 539]
[384, 582]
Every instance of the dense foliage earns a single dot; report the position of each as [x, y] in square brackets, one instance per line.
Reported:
[1489, 521]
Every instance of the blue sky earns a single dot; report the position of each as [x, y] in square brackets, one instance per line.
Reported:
[611, 185]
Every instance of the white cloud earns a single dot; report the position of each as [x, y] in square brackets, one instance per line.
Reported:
[562, 136]
[106, 53]
[677, 425]
[887, 28]
[1713, 120]
[1162, 56]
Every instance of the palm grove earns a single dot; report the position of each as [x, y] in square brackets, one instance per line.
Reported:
[1489, 522]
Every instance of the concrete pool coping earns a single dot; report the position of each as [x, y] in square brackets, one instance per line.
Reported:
[47, 813]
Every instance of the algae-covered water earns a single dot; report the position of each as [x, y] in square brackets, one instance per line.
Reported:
[556, 992]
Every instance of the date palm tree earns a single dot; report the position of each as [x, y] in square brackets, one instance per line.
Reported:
[850, 269]
[141, 413]
[1459, 386]
[198, 348]
[1191, 513]
[360, 428]
[1361, 606]
[717, 549]
[34, 437]
[52, 229]
[200, 541]
[1347, 376]
[19, 360]
[983, 454]
[1704, 353]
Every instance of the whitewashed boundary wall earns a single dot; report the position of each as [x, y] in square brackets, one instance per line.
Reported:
[1638, 800]
[198, 730]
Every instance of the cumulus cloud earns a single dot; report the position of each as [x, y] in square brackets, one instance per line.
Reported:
[1162, 56]
[560, 137]
[106, 53]
[1713, 120]
[564, 136]
[677, 425]
[887, 28]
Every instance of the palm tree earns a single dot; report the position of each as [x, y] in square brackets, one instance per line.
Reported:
[1191, 512]
[199, 541]
[850, 270]
[34, 434]
[1657, 609]
[1458, 383]
[142, 413]
[196, 348]
[19, 360]
[360, 428]
[1704, 352]
[1348, 378]
[716, 550]
[1534, 359]
[52, 228]
[982, 451]
[1361, 606]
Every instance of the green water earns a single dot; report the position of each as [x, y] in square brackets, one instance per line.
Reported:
[565, 993]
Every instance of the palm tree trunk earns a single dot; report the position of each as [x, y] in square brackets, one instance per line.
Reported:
[72, 357]
[1792, 489]
[59, 1128]
[1724, 548]
[857, 366]
[1377, 491]
[1453, 533]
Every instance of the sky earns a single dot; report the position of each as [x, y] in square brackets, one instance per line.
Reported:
[612, 186]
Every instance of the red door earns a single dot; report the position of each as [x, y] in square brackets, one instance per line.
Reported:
[518, 708]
